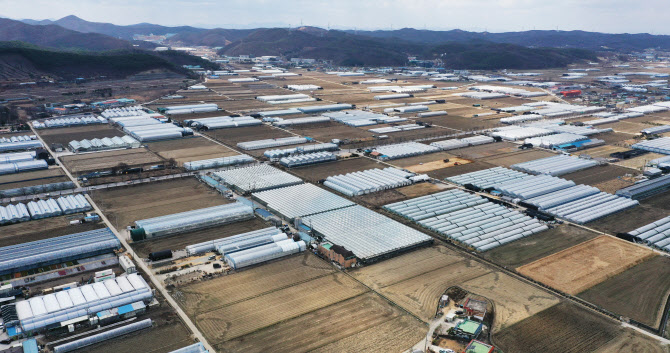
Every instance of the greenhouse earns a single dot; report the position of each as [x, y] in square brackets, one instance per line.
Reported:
[211, 245]
[307, 158]
[368, 181]
[368, 234]
[402, 150]
[263, 253]
[104, 336]
[256, 178]
[270, 143]
[218, 162]
[557, 165]
[301, 200]
[56, 250]
[191, 220]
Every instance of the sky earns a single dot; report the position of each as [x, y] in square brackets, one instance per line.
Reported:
[611, 16]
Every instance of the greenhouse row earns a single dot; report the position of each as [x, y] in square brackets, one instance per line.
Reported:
[368, 181]
[17, 157]
[461, 143]
[301, 200]
[25, 166]
[222, 122]
[515, 133]
[656, 130]
[307, 158]
[576, 130]
[188, 109]
[123, 111]
[533, 186]
[264, 253]
[660, 145]
[19, 138]
[270, 143]
[211, 245]
[432, 113]
[655, 234]
[43, 209]
[86, 300]
[482, 95]
[256, 178]
[410, 109]
[397, 128]
[37, 189]
[191, 220]
[303, 87]
[284, 97]
[562, 196]
[358, 118]
[521, 118]
[218, 162]
[19, 146]
[428, 206]
[392, 96]
[300, 150]
[557, 165]
[368, 234]
[300, 121]
[402, 150]
[555, 140]
[154, 133]
[592, 207]
[72, 121]
[487, 178]
[55, 250]
[104, 336]
[104, 143]
[324, 108]
[130, 121]
[646, 188]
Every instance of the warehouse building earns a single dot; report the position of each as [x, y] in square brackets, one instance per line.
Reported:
[338, 254]
[57, 250]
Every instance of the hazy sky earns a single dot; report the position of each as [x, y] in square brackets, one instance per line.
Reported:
[614, 16]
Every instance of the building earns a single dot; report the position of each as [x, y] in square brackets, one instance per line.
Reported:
[479, 347]
[468, 329]
[475, 308]
[338, 254]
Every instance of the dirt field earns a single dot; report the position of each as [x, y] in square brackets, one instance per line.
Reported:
[658, 201]
[406, 192]
[378, 326]
[191, 149]
[629, 341]
[67, 134]
[529, 249]
[42, 229]
[582, 266]
[435, 165]
[124, 205]
[598, 174]
[563, 328]
[100, 161]
[459, 169]
[180, 241]
[518, 156]
[324, 170]
[425, 158]
[38, 177]
[639, 292]
[325, 132]
[416, 281]
[639, 162]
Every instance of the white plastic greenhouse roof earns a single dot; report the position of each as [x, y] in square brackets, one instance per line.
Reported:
[660, 145]
[257, 178]
[556, 165]
[655, 234]
[364, 232]
[301, 200]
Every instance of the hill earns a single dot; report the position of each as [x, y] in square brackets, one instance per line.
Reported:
[217, 37]
[54, 36]
[355, 50]
[557, 39]
[124, 32]
[30, 61]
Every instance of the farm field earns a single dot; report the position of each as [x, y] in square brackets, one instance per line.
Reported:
[100, 161]
[189, 149]
[39, 229]
[125, 205]
[508, 159]
[180, 241]
[364, 323]
[639, 292]
[459, 169]
[416, 281]
[598, 174]
[38, 177]
[562, 328]
[320, 171]
[529, 249]
[658, 201]
[582, 266]
[629, 341]
[66, 134]
[325, 132]
[246, 316]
